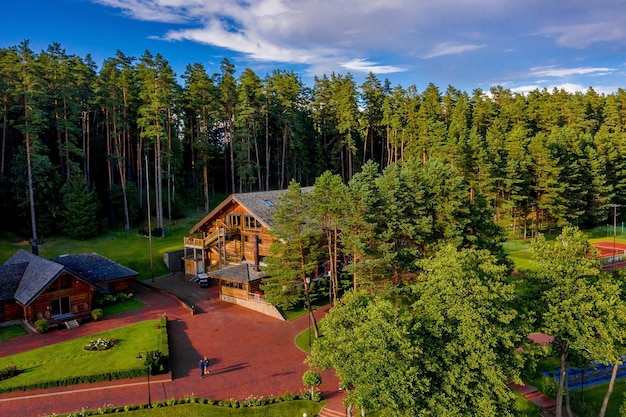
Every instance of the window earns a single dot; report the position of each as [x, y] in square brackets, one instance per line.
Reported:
[269, 203]
[249, 222]
[60, 306]
[234, 220]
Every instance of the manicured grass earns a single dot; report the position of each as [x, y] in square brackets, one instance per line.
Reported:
[289, 408]
[122, 306]
[593, 397]
[302, 339]
[129, 249]
[526, 407]
[69, 359]
[10, 332]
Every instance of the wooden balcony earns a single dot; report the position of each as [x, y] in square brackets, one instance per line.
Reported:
[200, 243]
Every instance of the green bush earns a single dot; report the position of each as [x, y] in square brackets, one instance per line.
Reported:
[311, 379]
[108, 299]
[8, 372]
[41, 325]
[97, 314]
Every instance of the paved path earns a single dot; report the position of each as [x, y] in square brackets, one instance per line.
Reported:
[249, 353]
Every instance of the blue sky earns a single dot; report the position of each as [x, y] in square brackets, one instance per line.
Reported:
[517, 44]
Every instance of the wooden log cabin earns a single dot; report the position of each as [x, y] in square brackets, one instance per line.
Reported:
[236, 231]
[229, 245]
[60, 289]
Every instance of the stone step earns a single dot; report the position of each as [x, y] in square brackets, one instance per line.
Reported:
[327, 412]
[72, 324]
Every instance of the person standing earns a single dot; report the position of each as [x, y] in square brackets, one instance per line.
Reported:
[202, 368]
[206, 366]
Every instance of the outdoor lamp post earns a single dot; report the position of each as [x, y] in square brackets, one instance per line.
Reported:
[308, 302]
[149, 362]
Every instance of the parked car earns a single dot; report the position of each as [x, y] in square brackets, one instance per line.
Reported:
[203, 280]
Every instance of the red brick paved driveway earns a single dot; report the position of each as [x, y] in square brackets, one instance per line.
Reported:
[250, 355]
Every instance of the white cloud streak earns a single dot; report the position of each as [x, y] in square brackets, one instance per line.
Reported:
[395, 36]
[566, 72]
[450, 48]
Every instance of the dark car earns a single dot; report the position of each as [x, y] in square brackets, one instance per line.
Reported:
[203, 280]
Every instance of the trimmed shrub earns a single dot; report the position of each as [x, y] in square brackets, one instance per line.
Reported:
[97, 314]
[41, 325]
[8, 372]
[311, 379]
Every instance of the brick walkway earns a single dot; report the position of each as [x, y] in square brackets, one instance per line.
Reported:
[249, 353]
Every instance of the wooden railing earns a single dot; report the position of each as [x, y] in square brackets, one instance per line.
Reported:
[235, 292]
[200, 242]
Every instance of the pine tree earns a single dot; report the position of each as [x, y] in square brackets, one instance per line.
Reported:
[82, 209]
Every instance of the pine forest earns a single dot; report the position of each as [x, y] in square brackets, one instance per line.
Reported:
[85, 141]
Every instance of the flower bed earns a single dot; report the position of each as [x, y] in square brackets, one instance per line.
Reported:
[100, 344]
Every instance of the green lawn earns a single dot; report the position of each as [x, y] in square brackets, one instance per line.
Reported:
[593, 397]
[129, 249]
[526, 407]
[122, 306]
[69, 359]
[10, 332]
[289, 408]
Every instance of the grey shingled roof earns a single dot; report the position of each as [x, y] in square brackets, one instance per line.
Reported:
[94, 268]
[10, 276]
[242, 273]
[39, 273]
[260, 204]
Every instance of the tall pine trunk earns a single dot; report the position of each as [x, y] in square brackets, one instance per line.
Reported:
[31, 192]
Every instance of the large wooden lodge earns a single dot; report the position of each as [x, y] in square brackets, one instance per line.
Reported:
[230, 242]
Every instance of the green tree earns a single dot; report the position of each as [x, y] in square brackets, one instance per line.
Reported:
[156, 91]
[469, 331]
[311, 379]
[295, 253]
[368, 340]
[32, 119]
[326, 213]
[201, 110]
[248, 130]
[446, 347]
[571, 305]
[372, 97]
[82, 217]
[227, 99]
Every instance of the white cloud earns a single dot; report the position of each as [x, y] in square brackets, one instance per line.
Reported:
[450, 48]
[565, 72]
[583, 35]
[336, 35]
[362, 65]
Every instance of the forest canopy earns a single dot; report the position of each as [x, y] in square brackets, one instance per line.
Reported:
[546, 158]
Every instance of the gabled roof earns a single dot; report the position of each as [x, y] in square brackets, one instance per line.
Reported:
[39, 273]
[241, 273]
[260, 204]
[94, 268]
[10, 277]
[24, 275]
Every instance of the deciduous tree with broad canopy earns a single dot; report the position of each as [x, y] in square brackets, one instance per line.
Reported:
[443, 346]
